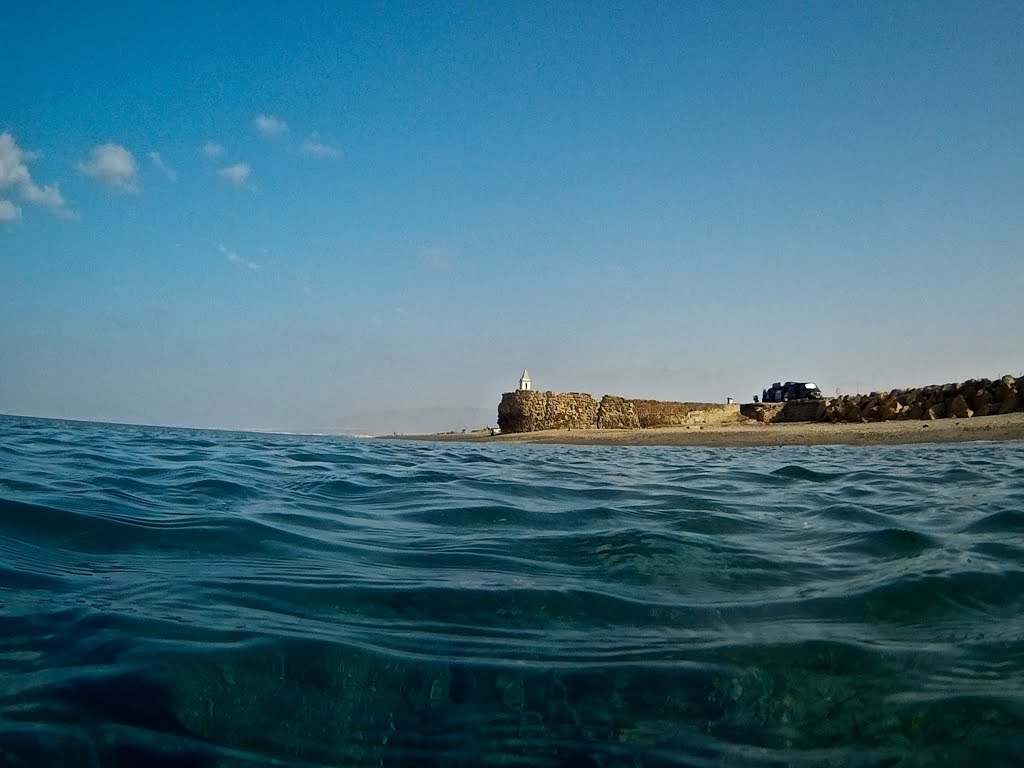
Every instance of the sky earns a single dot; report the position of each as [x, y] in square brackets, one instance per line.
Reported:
[372, 217]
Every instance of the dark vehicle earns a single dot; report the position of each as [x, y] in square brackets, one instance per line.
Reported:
[791, 390]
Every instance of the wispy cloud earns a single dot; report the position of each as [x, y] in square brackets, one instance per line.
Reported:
[315, 146]
[435, 259]
[234, 258]
[237, 174]
[270, 126]
[161, 166]
[213, 150]
[9, 211]
[14, 174]
[112, 165]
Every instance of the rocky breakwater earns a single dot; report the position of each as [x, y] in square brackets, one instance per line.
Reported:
[975, 397]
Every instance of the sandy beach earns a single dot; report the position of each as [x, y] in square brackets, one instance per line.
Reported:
[749, 433]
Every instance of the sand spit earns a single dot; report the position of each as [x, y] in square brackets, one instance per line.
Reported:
[1009, 426]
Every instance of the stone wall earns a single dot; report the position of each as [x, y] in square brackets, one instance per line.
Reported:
[617, 413]
[794, 410]
[530, 411]
[662, 413]
[975, 397]
[766, 413]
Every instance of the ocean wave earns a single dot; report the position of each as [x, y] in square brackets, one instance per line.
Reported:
[177, 597]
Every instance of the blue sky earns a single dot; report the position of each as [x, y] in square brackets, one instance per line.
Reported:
[373, 216]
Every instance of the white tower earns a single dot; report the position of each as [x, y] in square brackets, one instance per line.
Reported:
[524, 381]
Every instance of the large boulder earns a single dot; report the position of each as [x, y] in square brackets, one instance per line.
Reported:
[913, 411]
[1004, 388]
[1012, 403]
[981, 402]
[907, 397]
[957, 408]
[869, 410]
[889, 409]
[832, 410]
[972, 386]
[852, 410]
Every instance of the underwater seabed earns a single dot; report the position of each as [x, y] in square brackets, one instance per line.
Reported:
[303, 703]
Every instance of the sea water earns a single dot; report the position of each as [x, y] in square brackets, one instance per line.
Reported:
[180, 597]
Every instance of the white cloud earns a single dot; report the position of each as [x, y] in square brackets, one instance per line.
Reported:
[213, 150]
[13, 171]
[234, 258]
[14, 174]
[237, 174]
[9, 211]
[313, 145]
[112, 165]
[271, 126]
[49, 196]
[161, 166]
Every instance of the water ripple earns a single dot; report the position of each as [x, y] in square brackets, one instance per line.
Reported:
[182, 597]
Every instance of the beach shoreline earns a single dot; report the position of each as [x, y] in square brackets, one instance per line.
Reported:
[749, 434]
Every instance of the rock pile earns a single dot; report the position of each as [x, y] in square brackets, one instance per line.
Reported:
[975, 397]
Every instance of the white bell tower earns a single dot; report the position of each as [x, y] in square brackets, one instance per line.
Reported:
[524, 381]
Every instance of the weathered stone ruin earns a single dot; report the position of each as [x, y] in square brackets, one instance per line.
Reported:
[527, 410]
[531, 411]
[617, 413]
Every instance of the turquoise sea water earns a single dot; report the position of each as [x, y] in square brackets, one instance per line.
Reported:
[175, 597]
